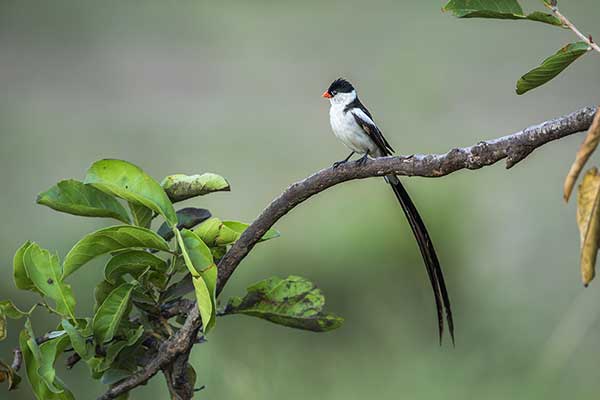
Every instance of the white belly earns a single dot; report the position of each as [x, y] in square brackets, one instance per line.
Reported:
[346, 129]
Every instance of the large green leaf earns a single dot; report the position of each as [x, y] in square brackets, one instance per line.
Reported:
[111, 239]
[240, 227]
[74, 197]
[133, 262]
[34, 359]
[551, 66]
[499, 9]
[45, 271]
[8, 309]
[142, 215]
[187, 218]
[198, 259]
[131, 183]
[180, 187]
[22, 280]
[109, 315]
[293, 302]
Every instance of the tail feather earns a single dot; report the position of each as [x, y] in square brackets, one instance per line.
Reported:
[432, 264]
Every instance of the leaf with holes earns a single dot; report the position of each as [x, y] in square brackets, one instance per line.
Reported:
[180, 187]
[109, 315]
[551, 67]
[45, 271]
[294, 302]
[128, 181]
[111, 239]
[74, 197]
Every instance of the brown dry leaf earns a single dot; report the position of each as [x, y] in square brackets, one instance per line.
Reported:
[2, 327]
[8, 374]
[583, 154]
[588, 220]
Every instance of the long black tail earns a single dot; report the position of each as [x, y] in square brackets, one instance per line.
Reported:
[428, 252]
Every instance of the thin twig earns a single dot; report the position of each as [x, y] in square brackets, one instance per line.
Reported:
[514, 148]
[572, 27]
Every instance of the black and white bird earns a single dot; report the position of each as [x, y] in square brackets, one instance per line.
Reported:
[353, 124]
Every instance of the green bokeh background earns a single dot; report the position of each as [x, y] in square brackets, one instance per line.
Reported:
[234, 87]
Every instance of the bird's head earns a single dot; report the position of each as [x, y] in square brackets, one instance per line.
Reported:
[340, 92]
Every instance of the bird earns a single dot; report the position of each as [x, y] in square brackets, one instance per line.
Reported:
[355, 127]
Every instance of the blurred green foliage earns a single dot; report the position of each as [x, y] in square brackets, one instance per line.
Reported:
[234, 87]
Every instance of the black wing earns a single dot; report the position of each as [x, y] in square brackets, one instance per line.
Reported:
[369, 126]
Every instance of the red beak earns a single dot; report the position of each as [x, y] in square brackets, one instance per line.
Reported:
[327, 95]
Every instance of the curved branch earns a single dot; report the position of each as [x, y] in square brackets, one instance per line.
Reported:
[513, 147]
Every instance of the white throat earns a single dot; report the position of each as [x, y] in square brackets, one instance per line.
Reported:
[343, 99]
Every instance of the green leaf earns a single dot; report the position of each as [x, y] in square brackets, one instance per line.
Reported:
[187, 218]
[134, 263]
[214, 232]
[551, 67]
[8, 309]
[180, 187]
[7, 373]
[293, 302]
[111, 239]
[240, 227]
[504, 9]
[142, 216]
[102, 291]
[34, 359]
[131, 183]
[545, 18]
[217, 233]
[74, 197]
[49, 352]
[22, 280]
[109, 315]
[45, 271]
[498, 9]
[198, 259]
[205, 304]
[78, 342]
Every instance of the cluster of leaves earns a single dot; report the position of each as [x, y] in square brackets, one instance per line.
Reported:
[511, 9]
[145, 273]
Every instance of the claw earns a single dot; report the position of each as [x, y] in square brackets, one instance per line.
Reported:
[363, 159]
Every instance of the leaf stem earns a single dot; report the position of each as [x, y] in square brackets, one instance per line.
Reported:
[572, 27]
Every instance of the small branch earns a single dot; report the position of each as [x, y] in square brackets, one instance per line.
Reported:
[572, 27]
[514, 148]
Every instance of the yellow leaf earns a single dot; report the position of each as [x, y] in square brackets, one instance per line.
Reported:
[588, 220]
[583, 154]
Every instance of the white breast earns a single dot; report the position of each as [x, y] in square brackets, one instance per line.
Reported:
[346, 129]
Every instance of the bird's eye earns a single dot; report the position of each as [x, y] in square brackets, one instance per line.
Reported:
[334, 92]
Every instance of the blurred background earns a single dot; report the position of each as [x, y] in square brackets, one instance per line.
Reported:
[234, 88]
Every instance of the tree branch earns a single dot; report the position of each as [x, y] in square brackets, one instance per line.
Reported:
[565, 21]
[513, 147]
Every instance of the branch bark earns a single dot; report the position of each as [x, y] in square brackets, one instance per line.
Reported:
[514, 148]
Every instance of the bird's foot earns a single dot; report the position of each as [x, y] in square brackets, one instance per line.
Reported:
[363, 159]
[338, 163]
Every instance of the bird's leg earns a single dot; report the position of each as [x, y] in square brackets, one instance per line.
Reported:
[363, 159]
[345, 160]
